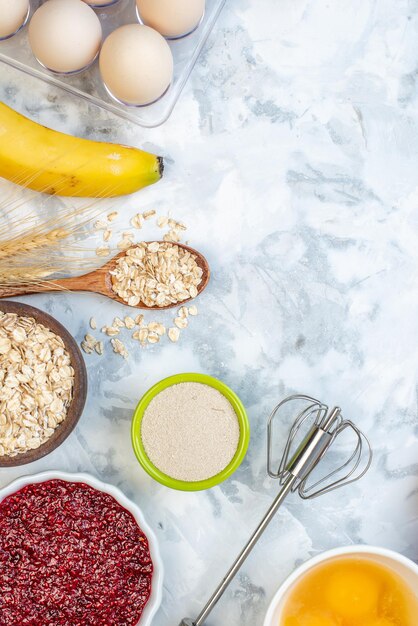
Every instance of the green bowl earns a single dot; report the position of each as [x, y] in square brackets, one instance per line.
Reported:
[183, 485]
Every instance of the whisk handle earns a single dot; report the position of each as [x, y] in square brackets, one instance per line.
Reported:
[285, 490]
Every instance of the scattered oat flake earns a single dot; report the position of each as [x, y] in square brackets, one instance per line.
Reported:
[162, 221]
[107, 234]
[153, 338]
[125, 243]
[155, 327]
[119, 348]
[183, 311]
[99, 347]
[172, 235]
[118, 323]
[93, 323]
[86, 347]
[100, 225]
[174, 225]
[139, 320]
[129, 322]
[112, 216]
[137, 221]
[173, 334]
[193, 310]
[147, 215]
[110, 331]
[102, 251]
[142, 334]
[181, 322]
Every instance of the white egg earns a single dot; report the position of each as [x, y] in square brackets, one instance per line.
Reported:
[172, 18]
[136, 64]
[65, 35]
[13, 15]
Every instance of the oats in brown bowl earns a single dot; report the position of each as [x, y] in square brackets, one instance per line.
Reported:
[36, 383]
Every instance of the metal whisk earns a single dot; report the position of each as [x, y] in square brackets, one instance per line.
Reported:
[313, 432]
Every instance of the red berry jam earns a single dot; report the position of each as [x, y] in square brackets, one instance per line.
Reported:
[70, 555]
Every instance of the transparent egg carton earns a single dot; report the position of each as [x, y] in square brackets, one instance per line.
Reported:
[88, 85]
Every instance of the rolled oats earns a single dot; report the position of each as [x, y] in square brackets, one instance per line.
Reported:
[118, 323]
[126, 241]
[137, 221]
[99, 347]
[172, 236]
[103, 251]
[162, 221]
[110, 331]
[139, 320]
[119, 348]
[181, 322]
[141, 335]
[155, 327]
[36, 383]
[89, 343]
[156, 274]
[129, 322]
[173, 334]
[100, 225]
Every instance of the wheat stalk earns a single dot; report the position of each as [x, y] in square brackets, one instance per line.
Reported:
[37, 243]
[27, 243]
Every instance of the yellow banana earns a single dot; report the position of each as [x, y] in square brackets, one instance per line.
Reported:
[45, 160]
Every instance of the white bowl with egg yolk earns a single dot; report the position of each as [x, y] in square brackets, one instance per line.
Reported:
[397, 563]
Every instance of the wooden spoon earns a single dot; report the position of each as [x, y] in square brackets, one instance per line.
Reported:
[100, 281]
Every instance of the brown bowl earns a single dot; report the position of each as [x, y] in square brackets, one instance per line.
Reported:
[80, 385]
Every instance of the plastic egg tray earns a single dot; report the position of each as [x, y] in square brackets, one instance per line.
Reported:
[88, 85]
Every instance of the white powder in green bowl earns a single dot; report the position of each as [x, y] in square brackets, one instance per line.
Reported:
[190, 431]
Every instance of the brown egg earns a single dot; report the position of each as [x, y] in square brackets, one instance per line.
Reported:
[172, 18]
[65, 35]
[136, 64]
[13, 15]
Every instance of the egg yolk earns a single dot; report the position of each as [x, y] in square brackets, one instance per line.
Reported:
[310, 619]
[350, 591]
[317, 619]
[352, 594]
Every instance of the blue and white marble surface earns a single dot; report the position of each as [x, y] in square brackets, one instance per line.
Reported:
[293, 158]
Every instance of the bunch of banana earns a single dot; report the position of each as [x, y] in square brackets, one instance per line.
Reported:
[45, 160]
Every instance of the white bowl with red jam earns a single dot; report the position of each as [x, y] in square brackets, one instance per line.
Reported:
[74, 550]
